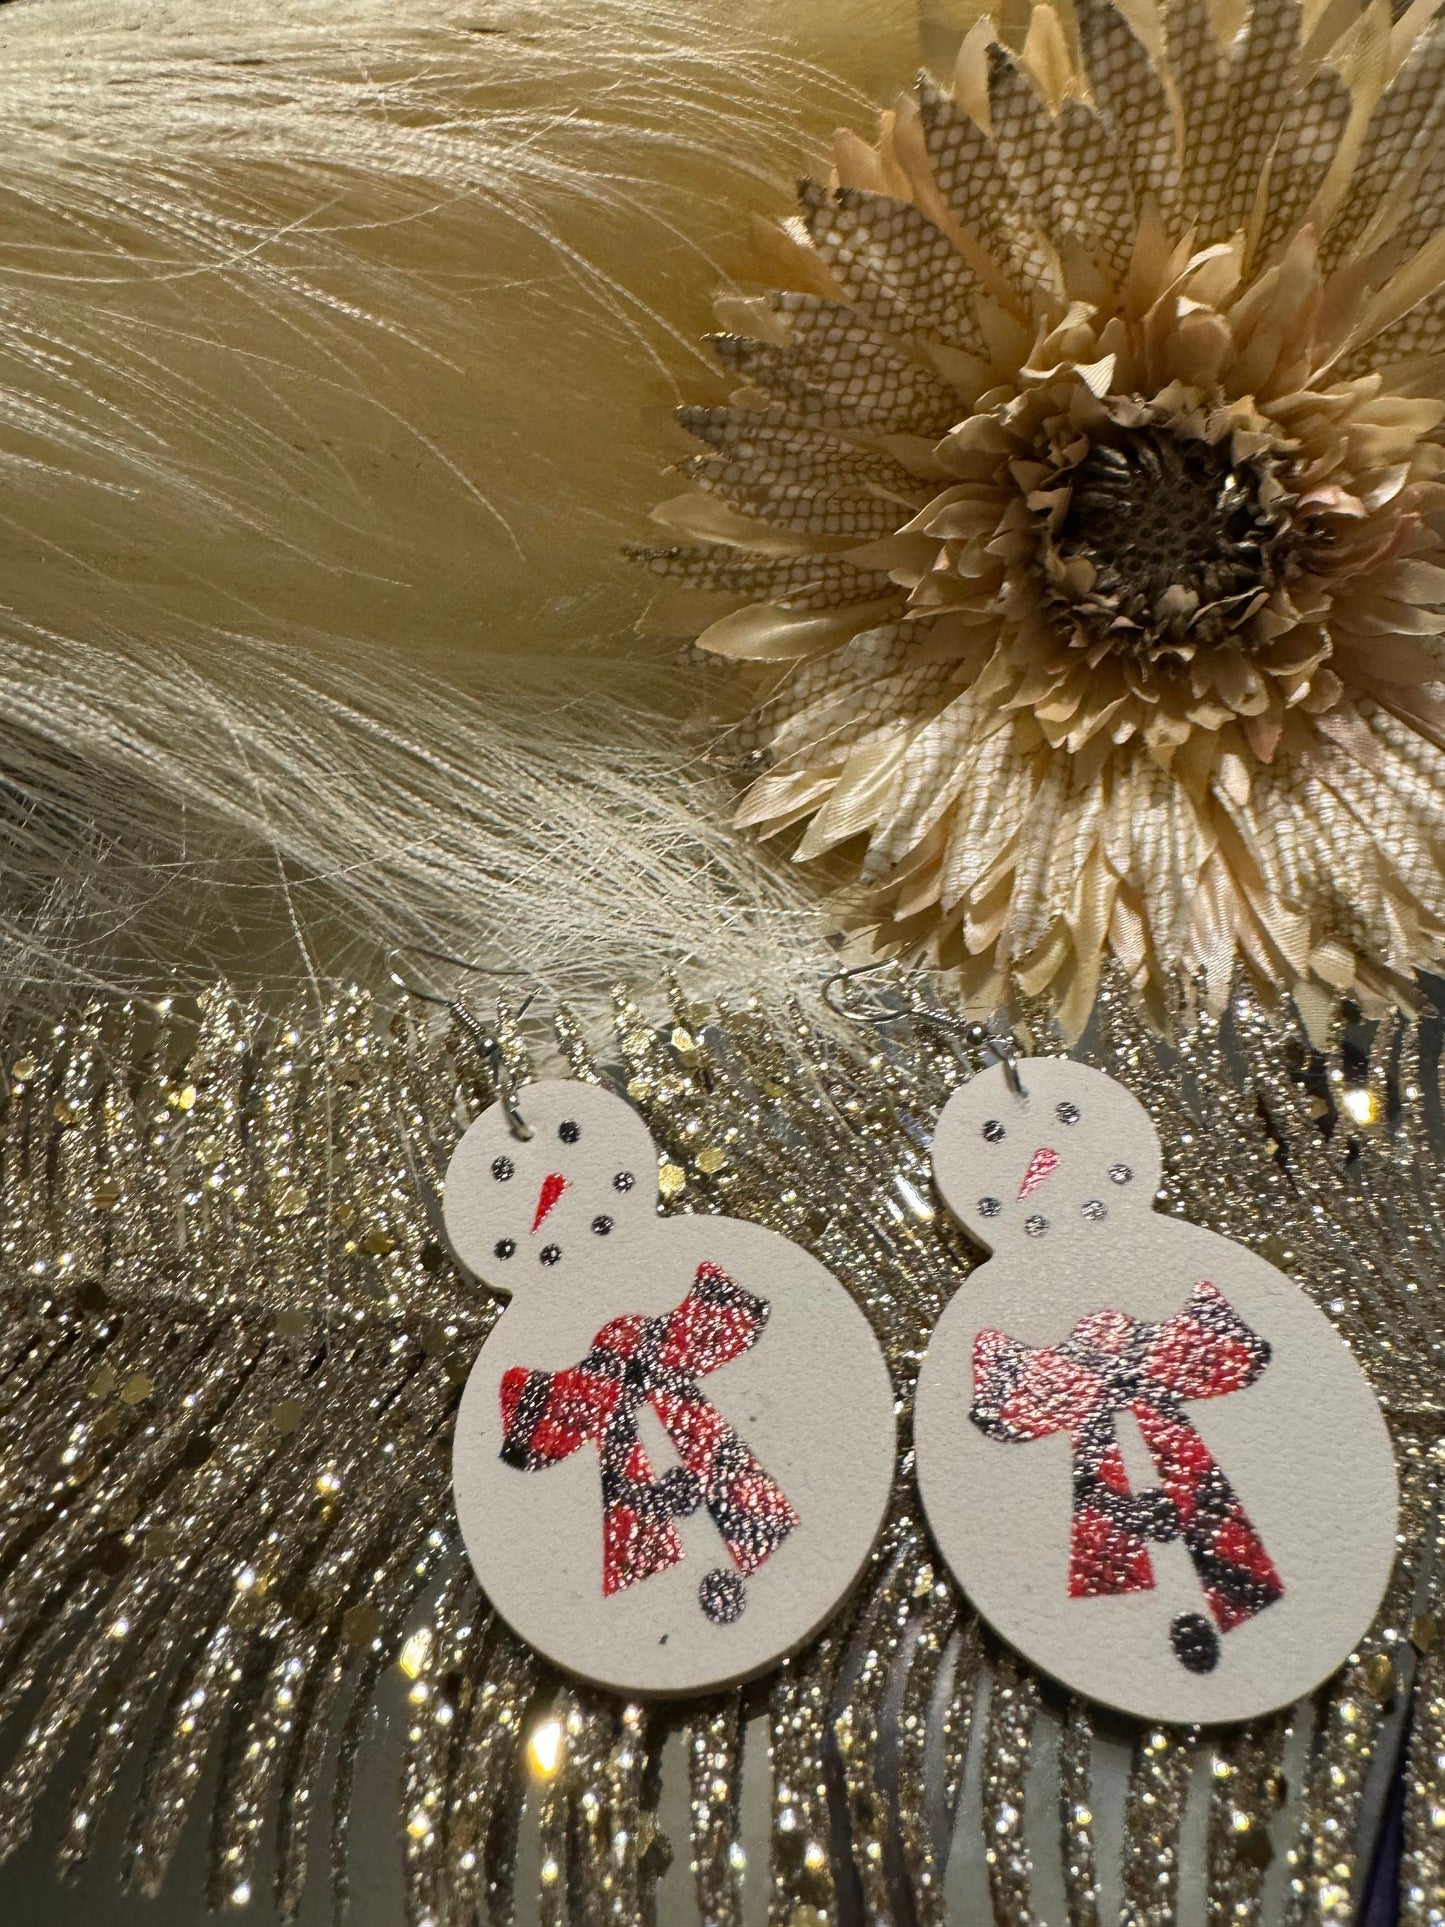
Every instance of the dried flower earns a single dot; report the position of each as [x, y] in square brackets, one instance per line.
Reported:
[1083, 494]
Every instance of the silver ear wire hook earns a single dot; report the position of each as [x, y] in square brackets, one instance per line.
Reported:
[968, 1030]
[487, 1046]
[1004, 1052]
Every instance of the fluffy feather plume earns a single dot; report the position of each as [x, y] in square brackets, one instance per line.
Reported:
[295, 818]
[1082, 497]
[327, 335]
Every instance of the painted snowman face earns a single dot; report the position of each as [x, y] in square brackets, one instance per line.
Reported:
[1073, 1153]
[1145, 1454]
[674, 1453]
[575, 1197]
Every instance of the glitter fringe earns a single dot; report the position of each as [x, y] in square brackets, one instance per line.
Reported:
[231, 1348]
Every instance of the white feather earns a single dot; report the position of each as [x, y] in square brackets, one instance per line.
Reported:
[336, 348]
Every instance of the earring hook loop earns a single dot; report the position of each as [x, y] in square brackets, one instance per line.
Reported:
[969, 1030]
[485, 1042]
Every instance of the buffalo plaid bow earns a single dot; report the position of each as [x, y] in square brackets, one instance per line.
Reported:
[1111, 1363]
[657, 1362]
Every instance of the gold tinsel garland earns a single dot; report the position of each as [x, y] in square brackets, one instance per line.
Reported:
[231, 1348]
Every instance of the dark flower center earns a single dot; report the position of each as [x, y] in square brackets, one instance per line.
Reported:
[1155, 511]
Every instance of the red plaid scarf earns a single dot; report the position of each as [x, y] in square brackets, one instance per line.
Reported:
[655, 1361]
[1111, 1363]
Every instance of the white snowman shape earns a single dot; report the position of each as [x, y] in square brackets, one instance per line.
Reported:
[1148, 1458]
[675, 1450]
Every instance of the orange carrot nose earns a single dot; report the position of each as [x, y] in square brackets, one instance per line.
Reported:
[1042, 1164]
[553, 1185]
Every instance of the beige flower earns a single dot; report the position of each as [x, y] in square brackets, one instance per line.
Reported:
[1083, 494]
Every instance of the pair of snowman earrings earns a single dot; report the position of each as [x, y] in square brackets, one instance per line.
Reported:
[1146, 1456]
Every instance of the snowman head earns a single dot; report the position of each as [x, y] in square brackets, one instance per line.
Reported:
[1067, 1159]
[557, 1207]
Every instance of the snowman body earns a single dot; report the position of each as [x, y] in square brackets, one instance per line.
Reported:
[1147, 1456]
[674, 1453]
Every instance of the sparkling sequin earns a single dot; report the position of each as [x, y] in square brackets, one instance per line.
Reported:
[361, 1115]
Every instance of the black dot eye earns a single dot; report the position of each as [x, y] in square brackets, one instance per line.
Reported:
[504, 1247]
[502, 1169]
[624, 1181]
[602, 1225]
[1066, 1112]
[989, 1207]
[569, 1132]
[549, 1254]
[993, 1130]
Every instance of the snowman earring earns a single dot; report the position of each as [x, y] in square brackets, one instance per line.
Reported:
[675, 1450]
[1148, 1458]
